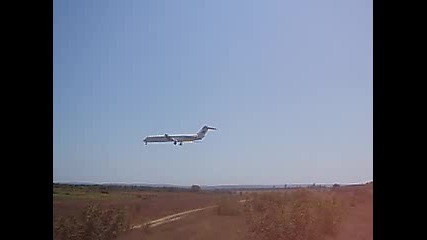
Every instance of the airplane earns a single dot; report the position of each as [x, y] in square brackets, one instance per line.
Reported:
[179, 138]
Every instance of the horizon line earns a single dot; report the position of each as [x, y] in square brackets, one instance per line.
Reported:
[226, 184]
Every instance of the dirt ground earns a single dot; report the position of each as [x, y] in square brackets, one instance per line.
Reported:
[142, 206]
[357, 224]
[207, 224]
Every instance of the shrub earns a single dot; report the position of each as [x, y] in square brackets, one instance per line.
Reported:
[298, 215]
[93, 223]
[195, 188]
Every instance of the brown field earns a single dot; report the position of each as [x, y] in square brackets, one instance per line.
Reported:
[141, 206]
[339, 213]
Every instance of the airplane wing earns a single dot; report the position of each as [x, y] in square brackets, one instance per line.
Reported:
[164, 138]
[170, 138]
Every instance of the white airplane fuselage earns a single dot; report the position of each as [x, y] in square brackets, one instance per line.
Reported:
[179, 138]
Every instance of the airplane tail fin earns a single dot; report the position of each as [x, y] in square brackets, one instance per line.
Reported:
[201, 134]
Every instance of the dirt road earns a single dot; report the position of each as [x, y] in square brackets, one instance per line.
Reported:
[173, 217]
[170, 218]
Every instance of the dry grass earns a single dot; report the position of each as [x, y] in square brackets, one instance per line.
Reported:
[204, 231]
[147, 206]
[228, 206]
[298, 215]
[359, 196]
[94, 223]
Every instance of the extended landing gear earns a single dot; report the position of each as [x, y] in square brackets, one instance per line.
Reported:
[174, 143]
[180, 143]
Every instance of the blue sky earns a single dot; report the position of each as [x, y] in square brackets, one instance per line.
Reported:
[288, 84]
